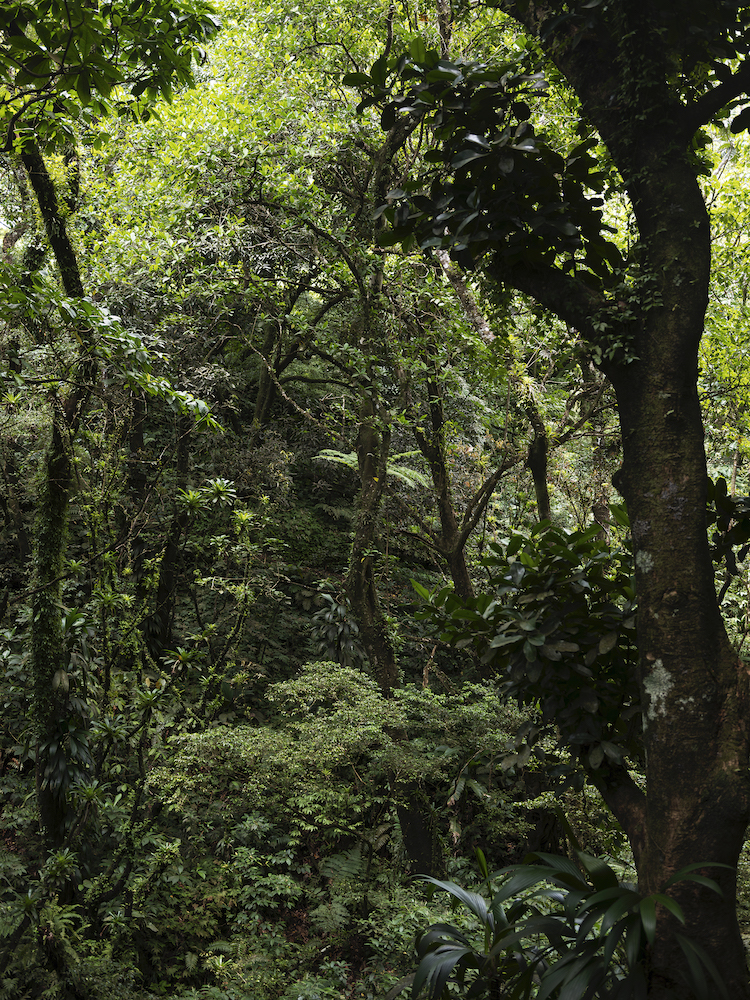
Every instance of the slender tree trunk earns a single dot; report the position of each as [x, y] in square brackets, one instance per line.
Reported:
[49, 658]
[266, 392]
[158, 626]
[449, 542]
[48, 652]
[537, 461]
[600, 485]
[373, 443]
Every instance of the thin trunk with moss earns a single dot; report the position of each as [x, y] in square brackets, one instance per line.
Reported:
[53, 713]
[373, 443]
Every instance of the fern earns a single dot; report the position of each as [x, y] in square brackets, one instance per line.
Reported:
[409, 477]
[330, 917]
[220, 947]
[9, 990]
[349, 865]
[337, 513]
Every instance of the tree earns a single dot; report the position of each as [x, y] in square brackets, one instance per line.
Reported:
[500, 197]
[60, 66]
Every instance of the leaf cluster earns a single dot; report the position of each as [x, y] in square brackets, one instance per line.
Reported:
[491, 182]
[579, 934]
[559, 628]
[63, 61]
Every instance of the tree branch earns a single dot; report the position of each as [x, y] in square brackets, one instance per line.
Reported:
[699, 112]
[575, 302]
[481, 498]
[54, 223]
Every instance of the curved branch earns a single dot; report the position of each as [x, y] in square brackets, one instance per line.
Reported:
[575, 302]
[701, 111]
[475, 507]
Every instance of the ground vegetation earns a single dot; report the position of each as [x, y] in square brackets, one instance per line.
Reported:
[319, 356]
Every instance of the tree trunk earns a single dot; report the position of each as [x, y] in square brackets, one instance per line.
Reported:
[694, 688]
[449, 542]
[266, 392]
[49, 658]
[373, 443]
[158, 626]
[48, 653]
[537, 461]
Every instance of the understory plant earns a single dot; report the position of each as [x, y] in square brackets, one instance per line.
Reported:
[556, 928]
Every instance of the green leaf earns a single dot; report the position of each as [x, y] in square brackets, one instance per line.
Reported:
[599, 871]
[356, 80]
[466, 156]
[685, 874]
[697, 960]
[608, 642]
[471, 900]
[647, 909]
[417, 50]
[613, 752]
[482, 862]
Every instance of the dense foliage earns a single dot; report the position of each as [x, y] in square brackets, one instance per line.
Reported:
[312, 577]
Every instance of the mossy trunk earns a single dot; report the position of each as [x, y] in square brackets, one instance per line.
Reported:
[54, 714]
[48, 653]
[373, 443]
[450, 542]
[158, 626]
[537, 461]
[695, 691]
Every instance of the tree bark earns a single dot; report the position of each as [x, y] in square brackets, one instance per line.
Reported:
[449, 542]
[373, 443]
[49, 657]
[158, 626]
[537, 461]
[694, 688]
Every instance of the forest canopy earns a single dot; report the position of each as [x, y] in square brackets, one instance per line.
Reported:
[374, 509]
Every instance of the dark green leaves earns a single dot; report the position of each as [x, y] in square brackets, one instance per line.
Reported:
[493, 183]
[559, 628]
[568, 927]
[741, 122]
[731, 516]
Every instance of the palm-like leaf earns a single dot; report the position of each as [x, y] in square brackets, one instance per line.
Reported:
[586, 939]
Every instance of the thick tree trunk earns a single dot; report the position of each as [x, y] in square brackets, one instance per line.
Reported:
[266, 392]
[694, 688]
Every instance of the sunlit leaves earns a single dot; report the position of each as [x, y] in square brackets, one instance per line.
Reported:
[68, 62]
